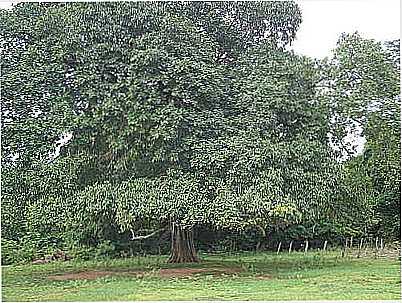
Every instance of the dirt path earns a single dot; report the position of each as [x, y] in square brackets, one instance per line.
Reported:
[185, 272]
[91, 275]
[163, 273]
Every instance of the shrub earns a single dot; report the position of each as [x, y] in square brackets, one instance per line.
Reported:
[13, 252]
[105, 249]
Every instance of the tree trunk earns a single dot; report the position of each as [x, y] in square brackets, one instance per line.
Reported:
[182, 246]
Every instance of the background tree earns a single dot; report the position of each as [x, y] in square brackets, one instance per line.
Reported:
[364, 94]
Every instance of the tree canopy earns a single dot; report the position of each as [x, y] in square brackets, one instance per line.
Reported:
[365, 96]
[180, 114]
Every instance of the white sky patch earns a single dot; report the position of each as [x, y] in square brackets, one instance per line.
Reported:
[325, 20]
[7, 4]
[355, 139]
[64, 139]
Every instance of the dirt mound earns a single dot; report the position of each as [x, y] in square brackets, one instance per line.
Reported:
[163, 273]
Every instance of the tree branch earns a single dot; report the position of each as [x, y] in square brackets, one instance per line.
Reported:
[134, 237]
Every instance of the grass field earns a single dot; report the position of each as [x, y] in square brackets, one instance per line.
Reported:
[246, 276]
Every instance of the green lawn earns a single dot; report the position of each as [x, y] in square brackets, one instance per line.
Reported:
[263, 276]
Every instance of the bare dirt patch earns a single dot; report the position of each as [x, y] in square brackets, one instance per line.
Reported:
[163, 273]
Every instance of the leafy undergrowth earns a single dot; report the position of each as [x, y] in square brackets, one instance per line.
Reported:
[246, 276]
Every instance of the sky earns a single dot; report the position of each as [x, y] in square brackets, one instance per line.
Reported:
[325, 20]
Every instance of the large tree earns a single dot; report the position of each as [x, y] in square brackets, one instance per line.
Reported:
[181, 114]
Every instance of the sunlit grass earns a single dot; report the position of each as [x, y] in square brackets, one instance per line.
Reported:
[263, 276]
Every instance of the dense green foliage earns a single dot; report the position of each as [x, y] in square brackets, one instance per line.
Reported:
[121, 118]
[365, 96]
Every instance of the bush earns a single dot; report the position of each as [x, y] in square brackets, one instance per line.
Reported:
[82, 252]
[105, 249]
[8, 250]
[14, 253]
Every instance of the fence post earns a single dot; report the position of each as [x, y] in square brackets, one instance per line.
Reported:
[290, 246]
[279, 247]
[325, 245]
[376, 248]
[305, 249]
[345, 250]
[366, 246]
[360, 247]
